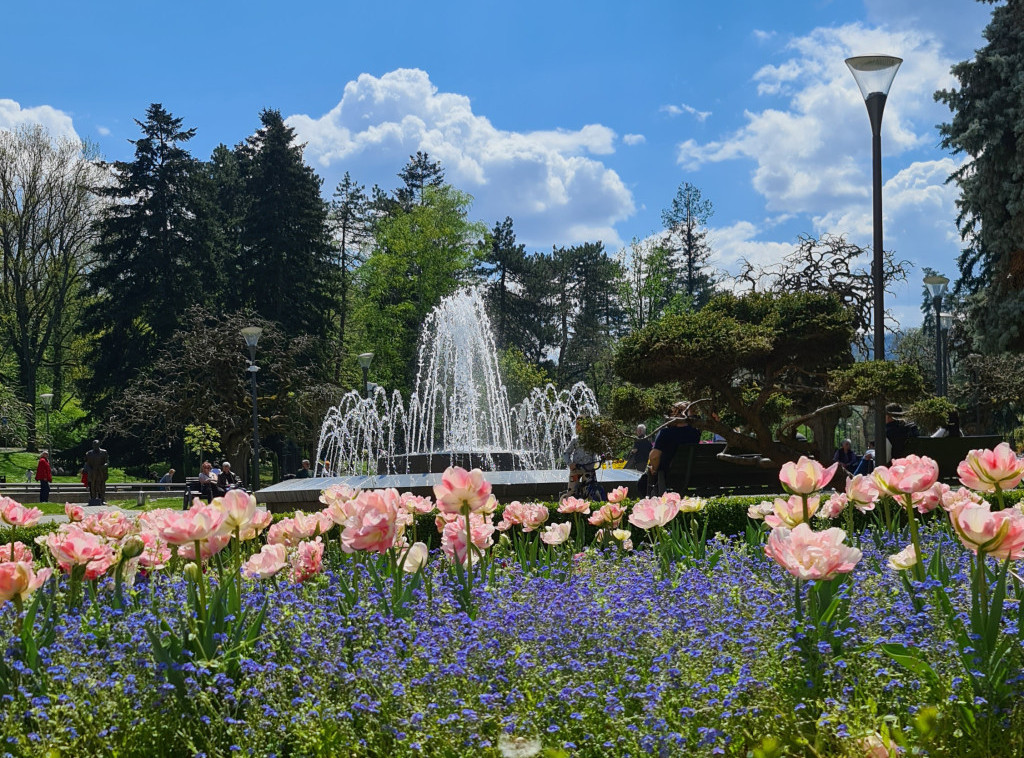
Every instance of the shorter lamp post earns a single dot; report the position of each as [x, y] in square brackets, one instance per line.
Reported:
[365, 359]
[47, 398]
[946, 322]
[251, 334]
[936, 284]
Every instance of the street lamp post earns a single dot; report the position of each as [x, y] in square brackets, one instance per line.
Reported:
[936, 284]
[251, 334]
[874, 75]
[364, 363]
[946, 321]
[47, 398]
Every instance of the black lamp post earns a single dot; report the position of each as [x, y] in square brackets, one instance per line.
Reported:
[365, 359]
[936, 285]
[251, 334]
[946, 322]
[47, 398]
[874, 75]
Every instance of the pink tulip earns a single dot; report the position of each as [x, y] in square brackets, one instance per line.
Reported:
[556, 534]
[906, 476]
[110, 524]
[373, 527]
[462, 491]
[443, 519]
[834, 506]
[989, 470]
[607, 515]
[806, 476]
[14, 513]
[904, 559]
[415, 504]
[689, 504]
[530, 516]
[576, 505]
[999, 534]
[238, 507]
[807, 554]
[453, 538]
[338, 493]
[260, 521]
[210, 548]
[414, 557]
[930, 499]
[284, 533]
[155, 553]
[17, 552]
[97, 568]
[198, 523]
[618, 494]
[74, 512]
[758, 511]
[270, 560]
[862, 493]
[19, 579]
[308, 525]
[652, 512]
[790, 512]
[952, 498]
[307, 561]
[75, 547]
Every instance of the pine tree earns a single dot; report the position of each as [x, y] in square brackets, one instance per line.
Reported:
[286, 271]
[511, 292]
[685, 222]
[153, 254]
[350, 223]
[987, 128]
[419, 173]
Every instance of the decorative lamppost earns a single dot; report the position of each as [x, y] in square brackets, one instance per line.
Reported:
[251, 334]
[365, 359]
[946, 322]
[47, 398]
[874, 75]
[936, 284]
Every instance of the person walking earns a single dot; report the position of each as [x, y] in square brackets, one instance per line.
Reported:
[44, 476]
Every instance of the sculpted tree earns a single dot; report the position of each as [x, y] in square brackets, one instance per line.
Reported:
[761, 361]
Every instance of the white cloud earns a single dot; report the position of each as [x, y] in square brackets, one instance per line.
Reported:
[546, 180]
[56, 122]
[735, 243]
[761, 35]
[679, 110]
[103, 131]
[634, 139]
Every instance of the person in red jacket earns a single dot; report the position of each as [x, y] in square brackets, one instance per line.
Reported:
[44, 477]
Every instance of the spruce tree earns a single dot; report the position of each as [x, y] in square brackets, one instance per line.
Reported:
[286, 272]
[511, 292]
[350, 224]
[152, 257]
[686, 234]
[419, 173]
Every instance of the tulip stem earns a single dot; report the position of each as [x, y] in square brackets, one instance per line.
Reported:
[914, 538]
[807, 518]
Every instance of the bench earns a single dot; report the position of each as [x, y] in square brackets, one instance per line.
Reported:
[949, 451]
[192, 490]
[697, 470]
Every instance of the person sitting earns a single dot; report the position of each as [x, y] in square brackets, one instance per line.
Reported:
[227, 478]
[642, 446]
[208, 486]
[166, 479]
[846, 457]
[305, 472]
[898, 430]
[951, 428]
[679, 431]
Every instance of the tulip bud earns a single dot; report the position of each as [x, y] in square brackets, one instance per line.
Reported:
[132, 548]
[193, 573]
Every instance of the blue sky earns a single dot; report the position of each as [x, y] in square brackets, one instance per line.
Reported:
[577, 119]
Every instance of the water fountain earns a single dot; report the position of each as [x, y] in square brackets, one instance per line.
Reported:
[458, 414]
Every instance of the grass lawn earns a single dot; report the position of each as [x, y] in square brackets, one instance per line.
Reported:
[131, 505]
[14, 463]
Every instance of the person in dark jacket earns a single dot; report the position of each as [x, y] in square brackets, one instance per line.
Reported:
[642, 446]
[846, 457]
[898, 431]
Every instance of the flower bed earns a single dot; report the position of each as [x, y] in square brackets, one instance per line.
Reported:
[681, 646]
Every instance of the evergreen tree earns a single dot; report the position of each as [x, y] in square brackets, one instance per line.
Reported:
[511, 292]
[686, 233]
[286, 271]
[646, 286]
[987, 128]
[419, 173]
[596, 322]
[153, 254]
[350, 223]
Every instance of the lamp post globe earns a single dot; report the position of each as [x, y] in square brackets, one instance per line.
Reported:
[874, 75]
[365, 359]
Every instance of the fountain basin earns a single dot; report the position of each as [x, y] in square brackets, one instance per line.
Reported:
[304, 494]
[436, 462]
